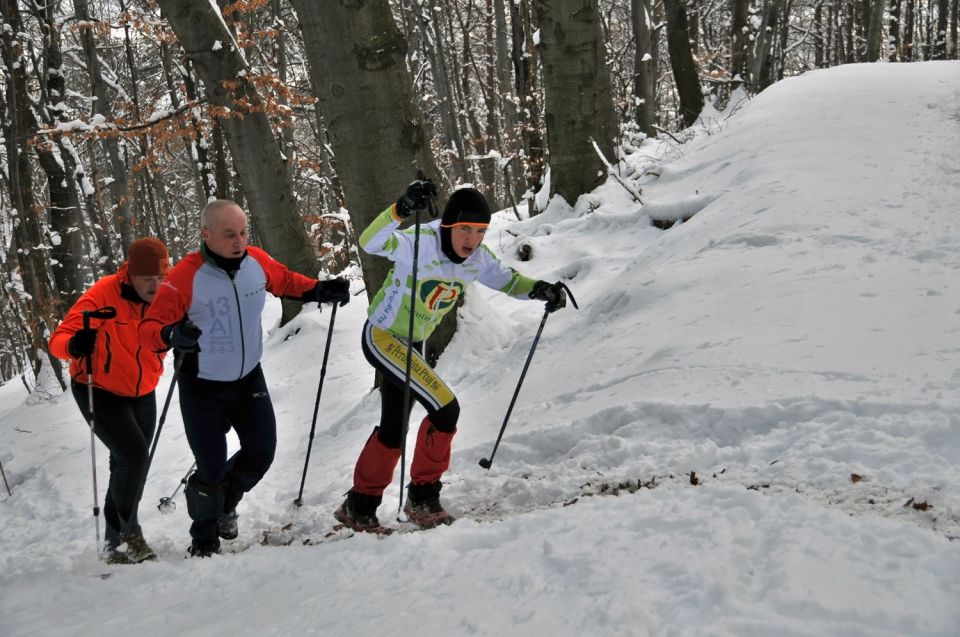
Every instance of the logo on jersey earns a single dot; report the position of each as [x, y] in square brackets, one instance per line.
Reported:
[439, 295]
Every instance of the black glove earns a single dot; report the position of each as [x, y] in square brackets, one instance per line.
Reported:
[332, 291]
[82, 342]
[552, 293]
[183, 336]
[417, 197]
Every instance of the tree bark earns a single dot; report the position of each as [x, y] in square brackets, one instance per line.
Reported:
[894, 27]
[875, 32]
[685, 72]
[578, 99]
[358, 66]
[524, 55]
[104, 95]
[908, 25]
[59, 163]
[37, 291]
[256, 153]
[645, 64]
[740, 41]
[357, 60]
[431, 40]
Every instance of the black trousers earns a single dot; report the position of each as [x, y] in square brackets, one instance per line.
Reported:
[125, 426]
[210, 409]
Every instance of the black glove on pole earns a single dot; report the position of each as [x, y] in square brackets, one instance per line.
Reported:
[316, 405]
[486, 462]
[82, 343]
[552, 293]
[332, 291]
[418, 196]
[104, 313]
[183, 336]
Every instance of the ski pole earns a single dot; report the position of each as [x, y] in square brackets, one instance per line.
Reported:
[156, 439]
[7, 484]
[406, 375]
[168, 504]
[486, 462]
[316, 404]
[103, 313]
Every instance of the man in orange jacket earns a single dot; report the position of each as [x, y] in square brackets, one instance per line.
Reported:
[125, 375]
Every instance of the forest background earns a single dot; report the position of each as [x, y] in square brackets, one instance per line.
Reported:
[121, 118]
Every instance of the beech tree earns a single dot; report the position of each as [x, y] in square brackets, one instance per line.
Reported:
[579, 105]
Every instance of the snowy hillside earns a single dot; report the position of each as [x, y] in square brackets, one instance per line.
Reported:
[750, 427]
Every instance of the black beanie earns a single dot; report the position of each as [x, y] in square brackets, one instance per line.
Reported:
[465, 205]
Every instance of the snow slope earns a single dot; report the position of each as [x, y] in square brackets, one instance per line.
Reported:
[792, 349]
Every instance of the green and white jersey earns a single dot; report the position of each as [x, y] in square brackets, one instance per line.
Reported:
[440, 281]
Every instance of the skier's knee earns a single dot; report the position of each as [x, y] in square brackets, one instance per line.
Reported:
[445, 418]
[389, 436]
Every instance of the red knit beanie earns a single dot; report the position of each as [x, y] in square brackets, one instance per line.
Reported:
[147, 257]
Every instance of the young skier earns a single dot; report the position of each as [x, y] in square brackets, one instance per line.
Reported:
[451, 256]
[125, 376]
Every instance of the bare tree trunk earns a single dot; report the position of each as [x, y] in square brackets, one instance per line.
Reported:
[740, 42]
[508, 108]
[357, 56]
[908, 27]
[953, 53]
[940, 39]
[287, 144]
[431, 40]
[31, 253]
[645, 63]
[253, 145]
[525, 71]
[104, 94]
[59, 163]
[875, 32]
[850, 22]
[578, 101]
[763, 58]
[894, 27]
[685, 72]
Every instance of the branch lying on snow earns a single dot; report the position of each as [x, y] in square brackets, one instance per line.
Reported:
[613, 173]
[662, 215]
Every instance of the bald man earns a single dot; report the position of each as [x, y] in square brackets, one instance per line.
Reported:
[209, 310]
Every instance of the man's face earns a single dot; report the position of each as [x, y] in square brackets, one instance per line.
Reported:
[465, 239]
[146, 286]
[227, 235]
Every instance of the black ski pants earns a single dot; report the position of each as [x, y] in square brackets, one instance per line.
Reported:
[210, 409]
[125, 425]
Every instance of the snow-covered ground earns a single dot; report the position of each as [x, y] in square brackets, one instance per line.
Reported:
[792, 349]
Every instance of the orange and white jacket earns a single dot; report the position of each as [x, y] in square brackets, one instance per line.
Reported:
[121, 365]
